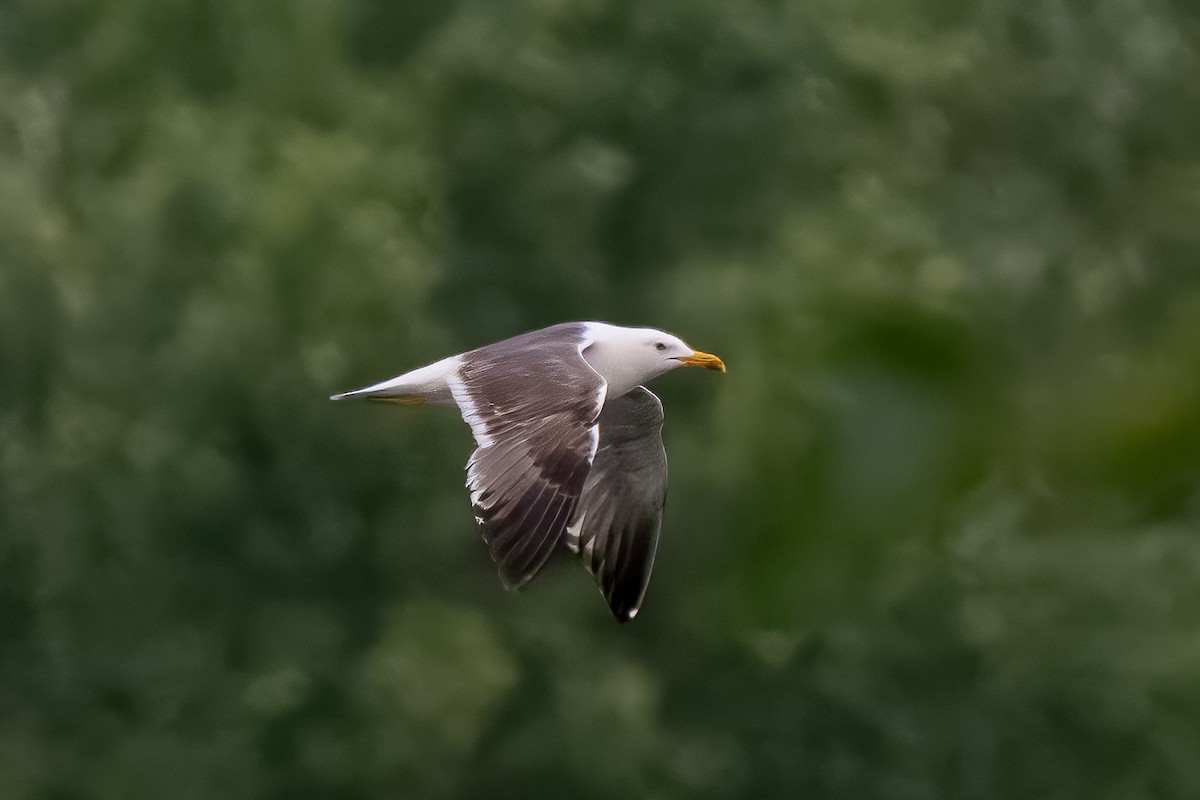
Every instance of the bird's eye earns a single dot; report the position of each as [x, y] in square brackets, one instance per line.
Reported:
[660, 346]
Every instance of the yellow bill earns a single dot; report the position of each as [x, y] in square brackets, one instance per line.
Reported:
[699, 359]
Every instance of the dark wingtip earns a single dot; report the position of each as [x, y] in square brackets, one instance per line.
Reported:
[622, 614]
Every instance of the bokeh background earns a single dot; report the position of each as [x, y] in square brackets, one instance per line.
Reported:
[935, 535]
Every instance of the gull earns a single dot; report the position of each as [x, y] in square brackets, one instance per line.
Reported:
[569, 446]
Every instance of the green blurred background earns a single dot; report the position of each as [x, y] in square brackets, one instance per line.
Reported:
[935, 535]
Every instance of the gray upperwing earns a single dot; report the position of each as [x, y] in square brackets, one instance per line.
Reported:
[532, 403]
[616, 529]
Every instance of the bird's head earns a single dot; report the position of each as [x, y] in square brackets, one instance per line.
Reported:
[626, 357]
[658, 352]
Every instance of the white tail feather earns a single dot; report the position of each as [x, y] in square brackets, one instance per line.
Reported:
[429, 381]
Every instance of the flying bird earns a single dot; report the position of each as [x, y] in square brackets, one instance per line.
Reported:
[569, 446]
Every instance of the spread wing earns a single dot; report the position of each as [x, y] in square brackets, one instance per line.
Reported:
[615, 531]
[532, 404]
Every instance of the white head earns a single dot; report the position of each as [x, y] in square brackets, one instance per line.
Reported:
[628, 357]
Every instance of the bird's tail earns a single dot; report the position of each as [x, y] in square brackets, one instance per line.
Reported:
[383, 393]
[424, 385]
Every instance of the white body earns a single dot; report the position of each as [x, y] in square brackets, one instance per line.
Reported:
[624, 357]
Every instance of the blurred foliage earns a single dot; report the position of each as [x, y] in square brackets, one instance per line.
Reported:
[936, 534]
